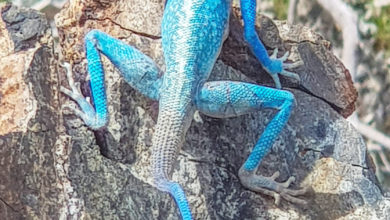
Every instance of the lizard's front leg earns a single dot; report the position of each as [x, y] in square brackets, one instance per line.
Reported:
[136, 68]
[272, 65]
[227, 99]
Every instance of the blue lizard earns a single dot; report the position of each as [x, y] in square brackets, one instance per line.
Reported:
[192, 35]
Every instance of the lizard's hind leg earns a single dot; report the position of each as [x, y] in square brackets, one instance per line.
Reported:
[227, 99]
[138, 70]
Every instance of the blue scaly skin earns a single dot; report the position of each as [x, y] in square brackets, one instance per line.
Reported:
[192, 35]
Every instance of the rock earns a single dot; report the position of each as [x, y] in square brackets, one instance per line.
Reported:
[31, 185]
[55, 167]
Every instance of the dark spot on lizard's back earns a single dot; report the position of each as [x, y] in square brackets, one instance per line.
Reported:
[25, 26]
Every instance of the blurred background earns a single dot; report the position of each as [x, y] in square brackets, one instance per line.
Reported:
[359, 31]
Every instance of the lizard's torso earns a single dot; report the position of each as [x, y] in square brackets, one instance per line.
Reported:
[192, 35]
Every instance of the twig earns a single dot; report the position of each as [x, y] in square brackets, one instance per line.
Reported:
[370, 132]
[291, 11]
[44, 3]
[347, 19]
[385, 161]
[381, 3]
[41, 5]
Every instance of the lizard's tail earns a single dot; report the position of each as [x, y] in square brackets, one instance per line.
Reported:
[170, 130]
[174, 118]
[177, 193]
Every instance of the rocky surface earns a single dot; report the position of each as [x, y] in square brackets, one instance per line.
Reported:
[57, 168]
[30, 121]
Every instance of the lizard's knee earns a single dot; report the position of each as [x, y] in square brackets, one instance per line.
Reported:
[250, 36]
[286, 99]
[289, 98]
[92, 35]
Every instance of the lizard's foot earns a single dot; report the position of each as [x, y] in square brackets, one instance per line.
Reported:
[277, 66]
[269, 186]
[87, 112]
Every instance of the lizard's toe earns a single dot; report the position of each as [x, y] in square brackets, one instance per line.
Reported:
[274, 54]
[291, 75]
[269, 186]
[284, 57]
[292, 65]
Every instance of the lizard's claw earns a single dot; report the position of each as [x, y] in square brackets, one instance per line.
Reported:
[269, 186]
[292, 65]
[274, 54]
[72, 108]
[277, 66]
[290, 74]
[75, 92]
[87, 112]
